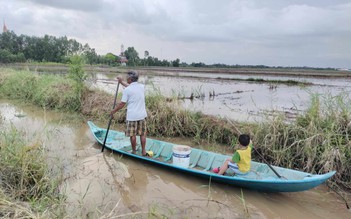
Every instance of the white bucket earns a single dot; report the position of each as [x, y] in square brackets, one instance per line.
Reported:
[181, 155]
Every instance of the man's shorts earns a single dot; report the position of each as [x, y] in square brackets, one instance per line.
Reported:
[234, 167]
[134, 128]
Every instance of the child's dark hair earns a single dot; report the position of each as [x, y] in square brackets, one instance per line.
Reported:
[244, 139]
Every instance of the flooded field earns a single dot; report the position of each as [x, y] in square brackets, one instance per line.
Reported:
[238, 100]
[107, 184]
[226, 92]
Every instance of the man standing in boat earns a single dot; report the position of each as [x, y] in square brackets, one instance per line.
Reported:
[134, 97]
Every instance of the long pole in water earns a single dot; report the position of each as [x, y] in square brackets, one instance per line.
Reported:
[239, 132]
[109, 122]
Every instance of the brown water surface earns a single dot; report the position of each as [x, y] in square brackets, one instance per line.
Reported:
[108, 184]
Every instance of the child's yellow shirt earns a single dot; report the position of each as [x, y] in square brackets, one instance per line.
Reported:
[243, 158]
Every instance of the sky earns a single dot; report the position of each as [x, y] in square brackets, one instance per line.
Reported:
[313, 33]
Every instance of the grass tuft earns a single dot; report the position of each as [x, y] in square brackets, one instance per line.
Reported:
[27, 187]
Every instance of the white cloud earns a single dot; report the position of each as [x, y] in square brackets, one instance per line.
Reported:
[78, 5]
[270, 32]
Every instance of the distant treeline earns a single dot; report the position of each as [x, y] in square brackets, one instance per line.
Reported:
[25, 48]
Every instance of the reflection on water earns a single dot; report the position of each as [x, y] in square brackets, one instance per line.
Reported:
[107, 184]
[238, 100]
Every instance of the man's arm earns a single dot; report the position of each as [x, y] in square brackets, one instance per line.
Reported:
[118, 107]
[120, 80]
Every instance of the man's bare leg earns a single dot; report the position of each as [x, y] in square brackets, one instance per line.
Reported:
[143, 144]
[133, 143]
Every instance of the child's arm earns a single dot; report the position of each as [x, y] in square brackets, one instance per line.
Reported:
[251, 144]
[236, 157]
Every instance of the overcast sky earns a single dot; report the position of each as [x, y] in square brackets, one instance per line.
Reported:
[315, 33]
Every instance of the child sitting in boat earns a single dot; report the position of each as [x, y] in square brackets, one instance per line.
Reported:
[241, 160]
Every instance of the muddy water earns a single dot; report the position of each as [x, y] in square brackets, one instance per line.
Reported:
[107, 184]
[238, 100]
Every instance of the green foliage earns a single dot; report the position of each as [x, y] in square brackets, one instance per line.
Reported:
[146, 54]
[198, 64]
[154, 61]
[76, 71]
[57, 93]
[8, 57]
[19, 85]
[90, 55]
[15, 48]
[110, 59]
[132, 56]
[175, 63]
[51, 91]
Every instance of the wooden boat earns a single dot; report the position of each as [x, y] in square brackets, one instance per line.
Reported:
[201, 163]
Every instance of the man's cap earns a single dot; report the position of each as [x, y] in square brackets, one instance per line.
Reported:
[133, 74]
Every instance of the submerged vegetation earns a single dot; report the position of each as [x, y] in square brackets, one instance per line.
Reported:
[317, 141]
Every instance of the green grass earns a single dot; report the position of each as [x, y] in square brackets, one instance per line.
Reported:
[317, 141]
[50, 91]
[28, 189]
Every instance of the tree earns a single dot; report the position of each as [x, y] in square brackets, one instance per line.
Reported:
[8, 42]
[199, 64]
[5, 56]
[165, 62]
[146, 56]
[90, 54]
[175, 63]
[132, 56]
[110, 59]
[22, 48]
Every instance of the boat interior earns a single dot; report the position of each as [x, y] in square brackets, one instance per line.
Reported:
[199, 159]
